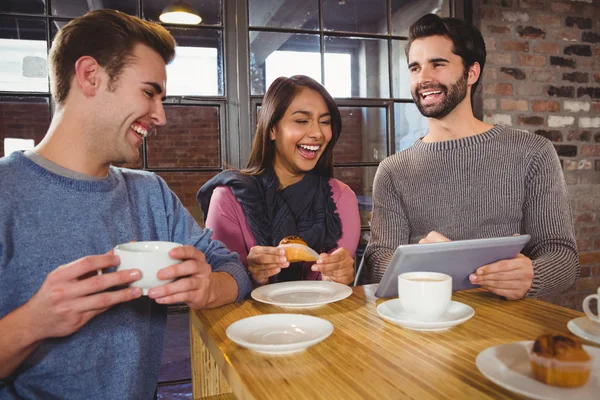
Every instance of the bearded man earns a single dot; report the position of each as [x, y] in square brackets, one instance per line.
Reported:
[466, 179]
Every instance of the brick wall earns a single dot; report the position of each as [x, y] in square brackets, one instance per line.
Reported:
[543, 75]
[23, 120]
[190, 138]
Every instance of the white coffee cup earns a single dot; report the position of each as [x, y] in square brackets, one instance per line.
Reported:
[425, 296]
[586, 307]
[149, 258]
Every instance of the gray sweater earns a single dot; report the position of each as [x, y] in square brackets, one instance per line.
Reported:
[498, 183]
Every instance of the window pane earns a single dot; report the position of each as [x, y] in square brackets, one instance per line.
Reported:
[405, 12]
[197, 69]
[24, 61]
[175, 363]
[363, 135]
[292, 14]
[410, 125]
[209, 10]
[20, 6]
[360, 180]
[365, 16]
[282, 54]
[23, 118]
[76, 8]
[185, 185]
[369, 68]
[400, 73]
[190, 138]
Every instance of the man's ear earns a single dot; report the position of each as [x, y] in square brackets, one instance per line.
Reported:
[474, 73]
[87, 75]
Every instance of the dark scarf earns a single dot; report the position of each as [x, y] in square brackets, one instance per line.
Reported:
[304, 209]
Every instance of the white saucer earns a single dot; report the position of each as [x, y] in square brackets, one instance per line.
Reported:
[393, 312]
[585, 329]
[300, 294]
[279, 333]
[507, 365]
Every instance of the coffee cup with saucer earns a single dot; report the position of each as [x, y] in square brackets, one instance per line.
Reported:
[425, 303]
[588, 327]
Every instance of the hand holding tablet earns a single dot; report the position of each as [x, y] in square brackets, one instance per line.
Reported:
[459, 259]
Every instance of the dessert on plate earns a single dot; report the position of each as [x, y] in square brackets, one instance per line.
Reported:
[559, 360]
[296, 250]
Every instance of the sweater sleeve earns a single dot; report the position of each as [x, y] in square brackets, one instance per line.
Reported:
[347, 209]
[547, 218]
[185, 230]
[226, 219]
[389, 225]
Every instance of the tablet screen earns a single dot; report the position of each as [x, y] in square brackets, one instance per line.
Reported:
[458, 259]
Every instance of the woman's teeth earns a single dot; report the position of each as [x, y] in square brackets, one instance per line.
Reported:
[310, 148]
[139, 130]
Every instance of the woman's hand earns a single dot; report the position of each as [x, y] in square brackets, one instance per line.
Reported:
[264, 262]
[336, 267]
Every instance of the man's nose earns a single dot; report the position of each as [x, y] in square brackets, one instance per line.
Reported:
[159, 117]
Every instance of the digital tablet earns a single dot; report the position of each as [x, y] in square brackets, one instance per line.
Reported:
[458, 258]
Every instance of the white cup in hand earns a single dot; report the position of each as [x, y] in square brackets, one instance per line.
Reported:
[149, 258]
[594, 316]
[425, 296]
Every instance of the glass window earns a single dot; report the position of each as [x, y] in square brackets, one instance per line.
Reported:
[405, 12]
[197, 69]
[190, 138]
[410, 125]
[289, 14]
[363, 137]
[23, 118]
[360, 180]
[185, 185]
[209, 10]
[400, 73]
[76, 8]
[21, 6]
[24, 61]
[263, 45]
[369, 65]
[355, 16]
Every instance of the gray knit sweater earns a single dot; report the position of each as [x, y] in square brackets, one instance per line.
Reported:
[498, 183]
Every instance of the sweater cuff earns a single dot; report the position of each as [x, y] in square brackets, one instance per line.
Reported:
[238, 272]
[537, 284]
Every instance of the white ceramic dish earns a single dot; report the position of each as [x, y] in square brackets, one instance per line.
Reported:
[279, 333]
[300, 294]
[393, 312]
[507, 365]
[585, 329]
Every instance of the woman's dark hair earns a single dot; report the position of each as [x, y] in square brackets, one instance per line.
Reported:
[467, 42]
[278, 98]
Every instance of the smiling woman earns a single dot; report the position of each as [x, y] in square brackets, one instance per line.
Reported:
[287, 189]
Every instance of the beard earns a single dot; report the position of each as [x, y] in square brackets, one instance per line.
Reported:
[453, 95]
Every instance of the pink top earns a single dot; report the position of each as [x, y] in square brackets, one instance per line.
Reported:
[227, 220]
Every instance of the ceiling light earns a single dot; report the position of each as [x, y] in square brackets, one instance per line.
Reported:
[180, 12]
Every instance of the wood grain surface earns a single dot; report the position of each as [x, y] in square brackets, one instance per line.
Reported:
[366, 357]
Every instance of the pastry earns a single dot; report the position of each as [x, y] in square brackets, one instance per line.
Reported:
[559, 360]
[296, 250]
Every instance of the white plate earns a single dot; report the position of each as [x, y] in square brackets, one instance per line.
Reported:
[585, 329]
[299, 294]
[279, 333]
[507, 365]
[393, 312]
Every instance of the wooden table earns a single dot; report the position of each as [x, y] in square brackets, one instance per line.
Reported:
[366, 357]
